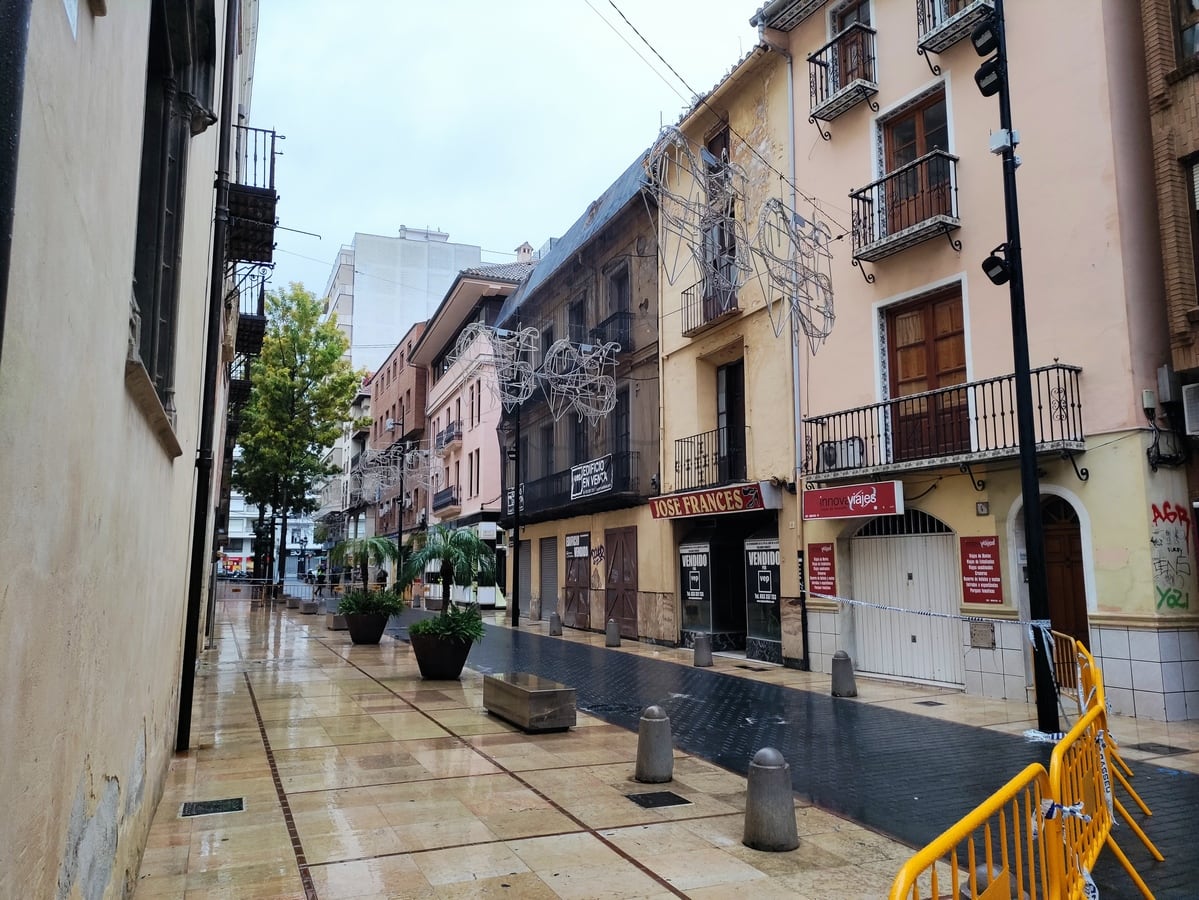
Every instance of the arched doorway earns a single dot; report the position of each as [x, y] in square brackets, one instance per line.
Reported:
[1064, 570]
[909, 562]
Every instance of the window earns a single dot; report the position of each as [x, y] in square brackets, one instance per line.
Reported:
[578, 441]
[458, 478]
[926, 352]
[457, 423]
[923, 189]
[472, 406]
[1188, 28]
[720, 246]
[547, 450]
[1192, 172]
[619, 296]
[479, 400]
[730, 421]
[470, 475]
[854, 51]
[478, 470]
[576, 318]
[620, 423]
[547, 341]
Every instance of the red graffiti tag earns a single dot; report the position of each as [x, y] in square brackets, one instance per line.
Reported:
[1173, 513]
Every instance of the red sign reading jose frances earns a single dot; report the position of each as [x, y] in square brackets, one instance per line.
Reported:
[878, 498]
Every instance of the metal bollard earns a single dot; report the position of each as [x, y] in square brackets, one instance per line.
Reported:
[770, 804]
[555, 623]
[612, 634]
[655, 753]
[844, 684]
[703, 650]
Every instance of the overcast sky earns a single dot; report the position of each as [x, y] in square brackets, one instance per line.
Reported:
[495, 121]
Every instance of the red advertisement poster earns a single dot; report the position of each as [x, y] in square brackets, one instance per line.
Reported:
[822, 569]
[981, 581]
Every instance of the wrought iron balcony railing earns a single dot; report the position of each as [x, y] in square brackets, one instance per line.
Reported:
[250, 284]
[710, 458]
[252, 197]
[450, 435]
[914, 203]
[557, 491]
[617, 328]
[446, 498]
[942, 23]
[841, 73]
[239, 380]
[707, 302]
[960, 424]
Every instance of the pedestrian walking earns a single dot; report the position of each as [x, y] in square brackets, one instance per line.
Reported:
[320, 580]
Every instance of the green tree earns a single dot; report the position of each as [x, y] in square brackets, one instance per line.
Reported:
[461, 554]
[366, 552]
[301, 388]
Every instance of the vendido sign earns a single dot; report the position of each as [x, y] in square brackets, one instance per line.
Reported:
[762, 570]
[735, 499]
[578, 545]
[878, 498]
[591, 478]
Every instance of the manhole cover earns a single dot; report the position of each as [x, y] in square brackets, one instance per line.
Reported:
[208, 807]
[929, 703]
[655, 799]
[1159, 749]
[753, 668]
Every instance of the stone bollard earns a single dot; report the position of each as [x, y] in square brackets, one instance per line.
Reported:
[655, 753]
[555, 623]
[612, 634]
[703, 650]
[844, 684]
[769, 804]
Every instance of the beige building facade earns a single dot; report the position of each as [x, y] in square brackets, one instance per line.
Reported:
[910, 401]
[109, 311]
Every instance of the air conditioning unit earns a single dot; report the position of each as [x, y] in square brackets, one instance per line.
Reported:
[391, 424]
[836, 456]
[1190, 409]
[501, 540]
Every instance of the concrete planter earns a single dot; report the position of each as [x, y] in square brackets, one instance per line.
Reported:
[309, 607]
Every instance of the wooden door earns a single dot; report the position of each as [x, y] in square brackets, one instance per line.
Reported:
[576, 590]
[620, 601]
[1064, 569]
[927, 352]
[921, 191]
[853, 51]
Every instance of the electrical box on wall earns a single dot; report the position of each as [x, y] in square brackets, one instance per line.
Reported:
[1167, 385]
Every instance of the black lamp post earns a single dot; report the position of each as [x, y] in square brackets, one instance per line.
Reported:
[302, 568]
[992, 78]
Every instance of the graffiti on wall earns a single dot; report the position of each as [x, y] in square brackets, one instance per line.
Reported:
[1170, 540]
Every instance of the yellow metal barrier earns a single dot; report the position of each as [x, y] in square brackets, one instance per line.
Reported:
[1078, 774]
[994, 852]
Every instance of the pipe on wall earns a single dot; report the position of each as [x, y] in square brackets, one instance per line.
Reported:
[14, 50]
[212, 354]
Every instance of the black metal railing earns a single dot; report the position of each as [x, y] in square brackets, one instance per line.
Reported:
[553, 491]
[942, 23]
[707, 302]
[617, 328]
[445, 498]
[709, 458]
[976, 420]
[844, 63]
[917, 201]
[252, 197]
[451, 433]
[239, 380]
[254, 157]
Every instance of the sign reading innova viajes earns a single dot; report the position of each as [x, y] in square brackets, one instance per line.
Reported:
[591, 478]
[735, 499]
[877, 498]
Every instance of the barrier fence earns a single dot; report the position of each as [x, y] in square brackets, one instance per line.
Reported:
[1062, 818]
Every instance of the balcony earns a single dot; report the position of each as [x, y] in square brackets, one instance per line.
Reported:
[709, 459]
[239, 380]
[609, 482]
[915, 203]
[841, 73]
[252, 197]
[788, 15]
[251, 310]
[616, 329]
[965, 423]
[942, 23]
[447, 500]
[450, 436]
[707, 303]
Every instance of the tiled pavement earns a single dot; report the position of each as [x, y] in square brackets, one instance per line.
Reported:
[363, 781]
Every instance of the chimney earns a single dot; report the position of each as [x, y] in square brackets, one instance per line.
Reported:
[524, 253]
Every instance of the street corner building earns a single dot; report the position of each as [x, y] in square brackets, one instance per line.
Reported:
[127, 298]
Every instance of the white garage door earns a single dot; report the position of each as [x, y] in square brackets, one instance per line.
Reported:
[909, 562]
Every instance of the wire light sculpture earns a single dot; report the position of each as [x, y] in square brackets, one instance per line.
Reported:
[794, 267]
[580, 378]
[511, 353]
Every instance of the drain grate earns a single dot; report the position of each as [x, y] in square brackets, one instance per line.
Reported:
[1159, 749]
[929, 703]
[656, 799]
[753, 668]
[209, 807]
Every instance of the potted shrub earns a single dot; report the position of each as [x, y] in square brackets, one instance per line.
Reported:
[367, 613]
[441, 643]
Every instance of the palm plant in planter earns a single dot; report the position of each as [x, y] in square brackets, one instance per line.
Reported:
[366, 610]
[441, 643]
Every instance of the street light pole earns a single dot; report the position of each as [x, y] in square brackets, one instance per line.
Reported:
[1038, 585]
[514, 615]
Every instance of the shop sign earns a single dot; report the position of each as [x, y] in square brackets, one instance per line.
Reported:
[578, 545]
[591, 478]
[739, 498]
[822, 569]
[696, 572]
[762, 570]
[876, 498]
[511, 504]
[981, 581]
